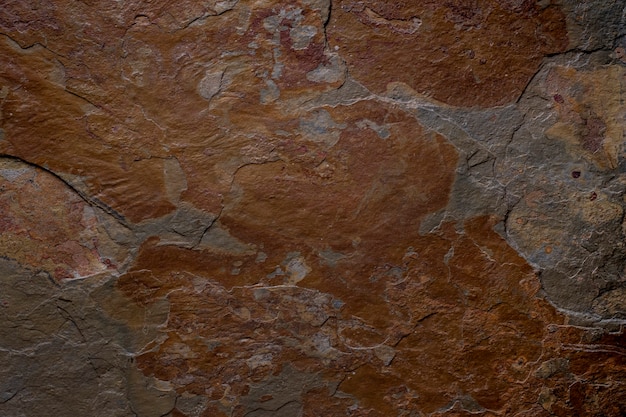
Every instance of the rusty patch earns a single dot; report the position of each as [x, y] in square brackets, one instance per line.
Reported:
[446, 57]
[459, 298]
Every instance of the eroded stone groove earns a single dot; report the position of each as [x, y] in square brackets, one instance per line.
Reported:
[312, 208]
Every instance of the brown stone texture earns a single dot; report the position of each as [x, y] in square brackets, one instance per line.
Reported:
[460, 52]
[303, 208]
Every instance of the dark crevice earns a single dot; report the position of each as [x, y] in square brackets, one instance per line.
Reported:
[330, 11]
[68, 317]
[577, 51]
[273, 409]
[505, 222]
[12, 396]
[234, 175]
[528, 84]
[477, 164]
[168, 413]
[417, 323]
[130, 406]
[31, 46]
[204, 16]
[94, 202]
[81, 97]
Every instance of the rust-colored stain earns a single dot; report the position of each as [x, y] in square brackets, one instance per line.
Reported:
[280, 188]
[462, 53]
[440, 333]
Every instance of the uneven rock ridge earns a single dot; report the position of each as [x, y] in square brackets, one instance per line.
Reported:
[312, 208]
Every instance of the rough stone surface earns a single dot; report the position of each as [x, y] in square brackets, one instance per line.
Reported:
[312, 208]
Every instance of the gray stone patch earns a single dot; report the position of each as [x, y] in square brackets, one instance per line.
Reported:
[190, 222]
[260, 257]
[284, 391]
[322, 5]
[63, 354]
[594, 25]
[381, 131]
[218, 239]
[277, 70]
[210, 84]
[565, 215]
[12, 174]
[349, 92]
[222, 6]
[301, 36]
[271, 23]
[271, 93]
[192, 405]
[296, 268]
[551, 367]
[330, 257]
[184, 227]
[385, 354]
[332, 72]
[611, 303]
[278, 272]
[320, 127]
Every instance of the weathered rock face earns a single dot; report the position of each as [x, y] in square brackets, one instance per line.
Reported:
[312, 208]
[462, 53]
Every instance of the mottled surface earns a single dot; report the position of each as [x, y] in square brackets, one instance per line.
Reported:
[312, 208]
[461, 52]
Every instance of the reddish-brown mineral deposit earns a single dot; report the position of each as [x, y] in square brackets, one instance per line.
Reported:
[305, 208]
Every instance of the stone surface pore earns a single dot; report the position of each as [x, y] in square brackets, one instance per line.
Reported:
[303, 208]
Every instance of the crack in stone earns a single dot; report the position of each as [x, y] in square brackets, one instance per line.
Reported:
[91, 201]
[33, 45]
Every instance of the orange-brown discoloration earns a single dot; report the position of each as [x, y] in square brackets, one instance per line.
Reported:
[476, 307]
[463, 53]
